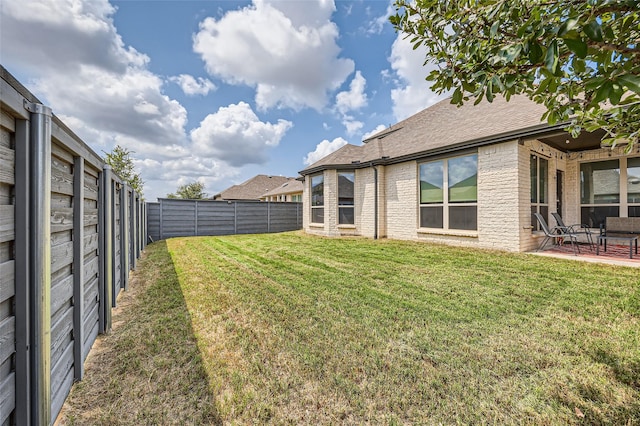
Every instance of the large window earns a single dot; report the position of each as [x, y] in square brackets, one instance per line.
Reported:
[457, 206]
[539, 168]
[345, 198]
[317, 199]
[599, 191]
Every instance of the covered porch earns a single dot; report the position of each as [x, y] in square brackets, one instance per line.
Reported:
[585, 183]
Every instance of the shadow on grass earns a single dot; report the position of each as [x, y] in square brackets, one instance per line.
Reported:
[148, 369]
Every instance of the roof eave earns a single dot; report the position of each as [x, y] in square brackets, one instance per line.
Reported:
[528, 132]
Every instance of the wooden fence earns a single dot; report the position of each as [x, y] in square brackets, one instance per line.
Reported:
[185, 218]
[70, 231]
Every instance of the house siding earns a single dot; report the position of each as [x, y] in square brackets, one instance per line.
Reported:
[501, 181]
[401, 191]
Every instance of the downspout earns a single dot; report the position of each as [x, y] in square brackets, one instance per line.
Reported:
[375, 201]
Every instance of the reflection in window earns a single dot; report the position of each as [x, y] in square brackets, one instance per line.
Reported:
[633, 181]
[317, 199]
[455, 208]
[539, 169]
[600, 182]
[346, 198]
[599, 192]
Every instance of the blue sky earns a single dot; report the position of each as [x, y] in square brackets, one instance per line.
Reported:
[215, 91]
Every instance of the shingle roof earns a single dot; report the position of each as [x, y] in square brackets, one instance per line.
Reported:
[439, 126]
[289, 187]
[252, 189]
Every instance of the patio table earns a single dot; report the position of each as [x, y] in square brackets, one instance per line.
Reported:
[603, 239]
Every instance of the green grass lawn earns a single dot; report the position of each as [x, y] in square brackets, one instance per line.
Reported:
[298, 329]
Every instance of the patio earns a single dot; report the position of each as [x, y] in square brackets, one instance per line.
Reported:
[616, 254]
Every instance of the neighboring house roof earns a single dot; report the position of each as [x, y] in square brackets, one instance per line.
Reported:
[252, 189]
[292, 186]
[445, 127]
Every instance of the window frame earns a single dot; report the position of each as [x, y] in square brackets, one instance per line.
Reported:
[319, 207]
[623, 206]
[538, 206]
[446, 204]
[342, 205]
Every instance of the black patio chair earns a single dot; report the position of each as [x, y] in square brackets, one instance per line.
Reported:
[578, 228]
[556, 235]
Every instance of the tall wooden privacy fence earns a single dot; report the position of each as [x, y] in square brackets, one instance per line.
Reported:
[70, 231]
[185, 218]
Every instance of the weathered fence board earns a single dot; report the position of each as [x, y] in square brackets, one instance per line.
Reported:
[182, 218]
[54, 242]
[7, 270]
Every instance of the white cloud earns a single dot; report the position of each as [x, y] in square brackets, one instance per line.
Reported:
[351, 124]
[413, 92]
[84, 71]
[287, 50]
[377, 25]
[355, 98]
[191, 87]
[378, 129]
[236, 135]
[323, 149]
[128, 104]
[352, 100]
[104, 91]
[167, 175]
[64, 35]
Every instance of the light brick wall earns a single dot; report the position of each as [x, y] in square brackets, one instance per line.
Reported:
[499, 182]
[401, 190]
[364, 196]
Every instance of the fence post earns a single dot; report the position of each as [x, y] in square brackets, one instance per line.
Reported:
[124, 236]
[40, 254]
[268, 216]
[106, 249]
[78, 266]
[196, 219]
[23, 266]
[161, 222]
[235, 217]
[114, 230]
[133, 204]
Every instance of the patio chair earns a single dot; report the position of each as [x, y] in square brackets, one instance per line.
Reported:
[555, 234]
[578, 228]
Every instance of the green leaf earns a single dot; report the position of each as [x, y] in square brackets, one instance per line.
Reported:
[494, 29]
[593, 30]
[535, 52]
[615, 94]
[457, 97]
[479, 98]
[490, 91]
[552, 58]
[567, 26]
[512, 52]
[631, 82]
[579, 65]
[577, 46]
[602, 93]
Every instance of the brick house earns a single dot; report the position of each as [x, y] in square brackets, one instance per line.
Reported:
[252, 189]
[470, 176]
[288, 192]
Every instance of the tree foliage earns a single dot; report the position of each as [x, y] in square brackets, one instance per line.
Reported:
[579, 58]
[122, 164]
[191, 191]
